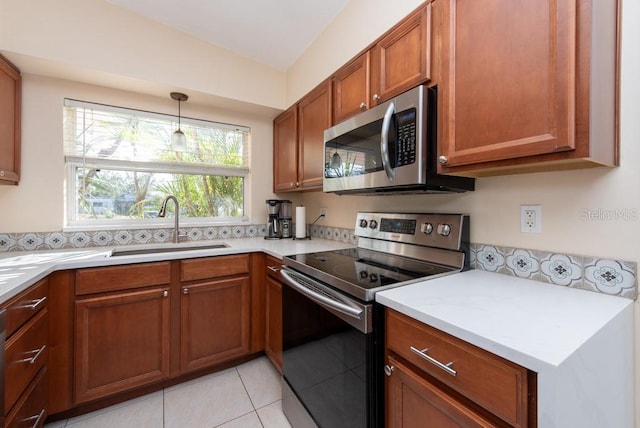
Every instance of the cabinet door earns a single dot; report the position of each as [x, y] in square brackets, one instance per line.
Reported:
[401, 60]
[413, 401]
[508, 80]
[121, 342]
[315, 116]
[351, 88]
[273, 332]
[285, 151]
[10, 112]
[215, 322]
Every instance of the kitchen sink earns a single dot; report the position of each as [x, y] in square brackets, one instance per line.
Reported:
[166, 249]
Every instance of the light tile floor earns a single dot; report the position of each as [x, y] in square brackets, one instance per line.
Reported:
[247, 396]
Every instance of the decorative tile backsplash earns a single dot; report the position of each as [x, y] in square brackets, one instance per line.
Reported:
[613, 277]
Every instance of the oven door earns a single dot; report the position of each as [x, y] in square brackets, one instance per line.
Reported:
[329, 356]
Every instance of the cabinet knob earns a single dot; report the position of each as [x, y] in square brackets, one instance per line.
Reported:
[363, 106]
[165, 293]
[443, 159]
[376, 97]
[388, 369]
[1, 173]
[185, 290]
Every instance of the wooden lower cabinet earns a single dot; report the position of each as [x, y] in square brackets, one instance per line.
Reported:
[215, 322]
[413, 401]
[25, 356]
[273, 314]
[273, 344]
[121, 342]
[31, 409]
[143, 324]
[435, 379]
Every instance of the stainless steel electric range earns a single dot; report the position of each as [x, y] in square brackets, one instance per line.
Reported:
[333, 332]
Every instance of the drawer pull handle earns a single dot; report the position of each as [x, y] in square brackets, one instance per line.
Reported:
[36, 417]
[33, 359]
[274, 268]
[446, 367]
[34, 304]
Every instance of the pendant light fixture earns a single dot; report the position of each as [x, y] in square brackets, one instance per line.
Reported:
[178, 139]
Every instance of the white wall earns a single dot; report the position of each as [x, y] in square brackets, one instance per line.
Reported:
[494, 206]
[37, 204]
[93, 40]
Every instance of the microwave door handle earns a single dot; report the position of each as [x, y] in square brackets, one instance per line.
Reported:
[384, 141]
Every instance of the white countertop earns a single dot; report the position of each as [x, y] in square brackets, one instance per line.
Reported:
[19, 270]
[580, 343]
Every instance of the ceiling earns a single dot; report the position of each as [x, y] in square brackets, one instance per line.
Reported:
[273, 32]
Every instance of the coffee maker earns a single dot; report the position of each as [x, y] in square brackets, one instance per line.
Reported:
[273, 221]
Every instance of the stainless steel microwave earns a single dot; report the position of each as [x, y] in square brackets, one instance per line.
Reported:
[390, 148]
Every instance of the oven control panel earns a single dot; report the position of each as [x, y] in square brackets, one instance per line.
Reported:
[434, 230]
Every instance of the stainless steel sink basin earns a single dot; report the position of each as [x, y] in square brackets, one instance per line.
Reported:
[163, 249]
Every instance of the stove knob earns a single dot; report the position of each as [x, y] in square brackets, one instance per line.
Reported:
[363, 223]
[373, 277]
[427, 228]
[363, 274]
[373, 224]
[444, 229]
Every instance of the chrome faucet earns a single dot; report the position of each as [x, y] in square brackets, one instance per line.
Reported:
[163, 212]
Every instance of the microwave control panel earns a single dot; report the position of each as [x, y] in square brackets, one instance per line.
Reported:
[406, 137]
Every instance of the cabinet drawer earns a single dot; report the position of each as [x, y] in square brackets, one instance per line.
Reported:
[113, 278]
[24, 306]
[273, 268]
[492, 382]
[213, 267]
[31, 409]
[26, 354]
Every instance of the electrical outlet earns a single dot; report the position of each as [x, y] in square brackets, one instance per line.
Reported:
[531, 218]
[323, 213]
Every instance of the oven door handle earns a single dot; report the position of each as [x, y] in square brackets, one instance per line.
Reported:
[341, 307]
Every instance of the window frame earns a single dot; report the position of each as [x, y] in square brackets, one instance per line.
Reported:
[73, 162]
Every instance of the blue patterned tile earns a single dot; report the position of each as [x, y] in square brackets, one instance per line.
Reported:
[252, 231]
[7, 242]
[55, 240]
[224, 232]
[122, 237]
[238, 231]
[80, 239]
[30, 241]
[142, 236]
[522, 263]
[490, 258]
[561, 269]
[102, 238]
[611, 277]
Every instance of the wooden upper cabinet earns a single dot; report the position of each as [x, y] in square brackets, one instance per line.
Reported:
[515, 93]
[285, 150]
[314, 116]
[298, 141]
[10, 114]
[401, 60]
[397, 62]
[351, 88]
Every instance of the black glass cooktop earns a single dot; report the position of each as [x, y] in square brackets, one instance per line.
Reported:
[363, 269]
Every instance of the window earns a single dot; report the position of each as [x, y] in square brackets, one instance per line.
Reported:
[120, 166]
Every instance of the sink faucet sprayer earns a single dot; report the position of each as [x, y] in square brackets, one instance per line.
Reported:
[163, 212]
